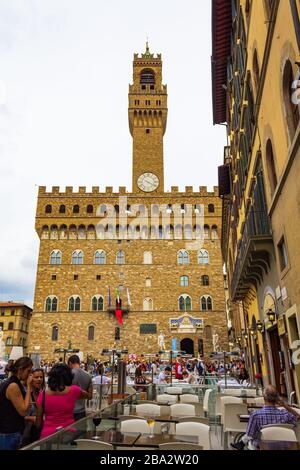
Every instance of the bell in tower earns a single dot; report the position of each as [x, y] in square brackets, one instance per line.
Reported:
[147, 122]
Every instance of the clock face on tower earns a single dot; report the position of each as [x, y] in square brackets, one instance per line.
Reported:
[148, 182]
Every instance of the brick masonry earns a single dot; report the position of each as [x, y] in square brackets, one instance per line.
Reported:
[68, 232]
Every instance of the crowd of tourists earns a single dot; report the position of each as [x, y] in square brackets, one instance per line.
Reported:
[36, 402]
[30, 410]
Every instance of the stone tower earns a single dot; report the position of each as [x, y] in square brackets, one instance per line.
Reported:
[147, 114]
[166, 282]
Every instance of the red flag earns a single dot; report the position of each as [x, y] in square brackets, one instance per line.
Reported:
[119, 316]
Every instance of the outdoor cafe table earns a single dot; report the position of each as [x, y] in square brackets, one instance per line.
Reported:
[145, 441]
[279, 445]
[244, 418]
[115, 438]
[160, 418]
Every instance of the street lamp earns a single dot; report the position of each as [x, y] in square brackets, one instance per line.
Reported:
[271, 315]
[260, 326]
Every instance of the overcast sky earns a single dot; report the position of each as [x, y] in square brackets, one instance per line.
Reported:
[65, 66]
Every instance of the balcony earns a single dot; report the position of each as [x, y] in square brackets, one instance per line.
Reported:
[254, 252]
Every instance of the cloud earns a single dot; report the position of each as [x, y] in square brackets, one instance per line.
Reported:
[63, 119]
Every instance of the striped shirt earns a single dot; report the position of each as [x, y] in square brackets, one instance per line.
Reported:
[268, 415]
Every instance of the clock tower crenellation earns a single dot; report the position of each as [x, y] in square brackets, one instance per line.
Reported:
[147, 114]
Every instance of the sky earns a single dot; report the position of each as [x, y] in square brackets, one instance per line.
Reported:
[65, 67]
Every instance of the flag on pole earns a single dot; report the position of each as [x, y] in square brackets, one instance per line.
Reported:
[128, 297]
[109, 298]
[119, 316]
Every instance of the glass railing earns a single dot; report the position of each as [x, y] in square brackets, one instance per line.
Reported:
[64, 439]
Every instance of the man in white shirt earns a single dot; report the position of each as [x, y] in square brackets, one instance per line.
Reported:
[164, 376]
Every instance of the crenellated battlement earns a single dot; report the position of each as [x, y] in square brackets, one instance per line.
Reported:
[56, 191]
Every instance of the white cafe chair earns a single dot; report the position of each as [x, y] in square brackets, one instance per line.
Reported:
[278, 433]
[174, 390]
[148, 409]
[89, 444]
[182, 409]
[231, 420]
[206, 401]
[188, 398]
[195, 429]
[166, 399]
[135, 425]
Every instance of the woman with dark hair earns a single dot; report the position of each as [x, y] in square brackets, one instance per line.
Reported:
[140, 379]
[31, 432]
[57, 403]
[14, 404]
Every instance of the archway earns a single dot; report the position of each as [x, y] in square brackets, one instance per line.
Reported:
[187, 345]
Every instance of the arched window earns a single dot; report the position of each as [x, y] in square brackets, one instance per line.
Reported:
[148, 282]
[51, 304]
[291, 109]
[76, 209]
[185, 303]
[147, 77]
[77, 257]
[73, 232]
[161, 232]
[271, 167]
[169, 232]
[110, 232]
[203, 257]
[54, 335]
[74, 303]
[120, 259]
[91, 333]
[45, 232]
[205, 280]
[100, 257]
[148, 305]
[206, 303]
[81, 232]
[9, 341]
[188, 232]
[178, 232]
[55, 257]
[144, 232]
[148, 257]
[211, 208]
[103, 209]
[183, 257]
[206, 232]
[154, 209]
[117, 209]
[214, 232]
[256, 72]
[62, 209]
[48, 209]
[11, 326]
[90, 209]
[97, 303]
[153, 232]
[184, 281]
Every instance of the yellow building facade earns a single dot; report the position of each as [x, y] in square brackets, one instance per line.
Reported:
[259, 103]
[14, 323]
[154, 255]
